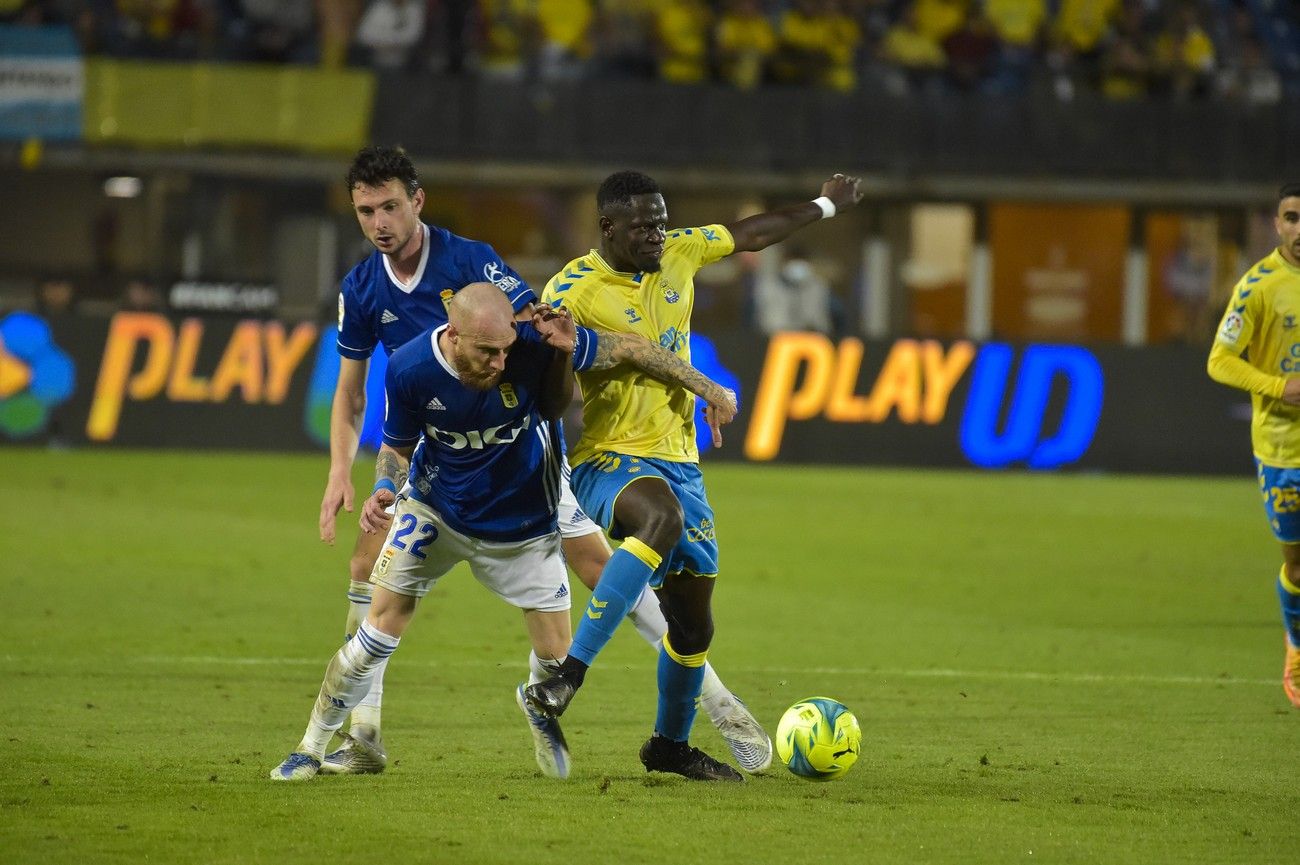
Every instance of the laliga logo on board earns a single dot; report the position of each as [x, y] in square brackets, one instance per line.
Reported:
[35, 375]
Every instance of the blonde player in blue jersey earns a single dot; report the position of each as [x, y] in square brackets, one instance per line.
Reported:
[635, 468]
[1257, 349]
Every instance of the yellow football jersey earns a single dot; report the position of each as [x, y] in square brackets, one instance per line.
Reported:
[1263, 320]
[624, 410]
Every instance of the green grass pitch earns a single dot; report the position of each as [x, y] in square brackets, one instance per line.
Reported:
[1047, 669]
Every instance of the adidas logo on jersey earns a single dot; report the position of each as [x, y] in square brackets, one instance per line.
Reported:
[436, 405]
[388, 317]
[562, 592]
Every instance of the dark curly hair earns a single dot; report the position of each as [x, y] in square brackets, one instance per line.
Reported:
[618, 189]
[1288, 190]
[376, 165]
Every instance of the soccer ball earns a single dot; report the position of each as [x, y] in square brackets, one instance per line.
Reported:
[818, 738]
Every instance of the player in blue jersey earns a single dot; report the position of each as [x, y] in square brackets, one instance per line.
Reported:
[476, 395]
[1255, 350]
[636, 465]
[395, 293]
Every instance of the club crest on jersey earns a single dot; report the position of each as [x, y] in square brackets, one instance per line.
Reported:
[447, 294]
[508, 398]
[670, 294]
[1288, 321]
[493, 273]
[1231, 329]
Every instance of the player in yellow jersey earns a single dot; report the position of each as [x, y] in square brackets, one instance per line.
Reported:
[1257, 349]
[635, 466]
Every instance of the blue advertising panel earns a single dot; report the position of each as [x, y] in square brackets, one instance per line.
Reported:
[42, 83]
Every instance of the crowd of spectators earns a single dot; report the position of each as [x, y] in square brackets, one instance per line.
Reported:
[1121, 49]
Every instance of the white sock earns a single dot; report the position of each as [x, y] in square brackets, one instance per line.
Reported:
[540, 670]
[359, 594]
[648, 618]
[347, 679]
[366, 713]
[715, 699]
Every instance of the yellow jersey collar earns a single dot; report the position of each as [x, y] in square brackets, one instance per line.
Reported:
[598, 260]
[1280, 259]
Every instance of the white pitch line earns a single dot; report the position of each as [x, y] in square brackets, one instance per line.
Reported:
[882, 674]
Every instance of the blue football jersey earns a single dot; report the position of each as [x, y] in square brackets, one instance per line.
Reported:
[488, 462]
[374, 307]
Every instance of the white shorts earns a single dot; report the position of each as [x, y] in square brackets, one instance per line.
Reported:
[420, 548]
[574, 523]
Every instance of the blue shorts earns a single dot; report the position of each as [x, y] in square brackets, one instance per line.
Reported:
[598, 482]
[1281, 491]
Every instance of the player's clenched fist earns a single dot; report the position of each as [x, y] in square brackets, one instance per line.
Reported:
[842, 190]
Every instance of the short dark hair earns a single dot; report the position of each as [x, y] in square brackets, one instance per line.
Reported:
[620, 186]
[376, 165]
[1289, 190]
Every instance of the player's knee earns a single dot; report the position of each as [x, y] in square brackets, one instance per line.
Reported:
[360, 566]
[587, 557]
[1292, 572]
[664, 527]
[690, 638]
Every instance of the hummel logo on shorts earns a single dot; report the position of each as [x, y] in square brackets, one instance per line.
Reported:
[387, 318]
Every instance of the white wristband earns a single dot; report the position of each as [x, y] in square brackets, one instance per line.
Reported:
[827, 206]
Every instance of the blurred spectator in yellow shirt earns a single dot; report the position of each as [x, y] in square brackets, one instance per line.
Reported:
[915, 57]
[510, 35]
[1184, 54]
[844, 40]
[745, 42]
[1017, 23]
[564, 33]
[1081, 24]
[1126, 57]
[682, 30]
[939, 19]
[1076, 37]
[818, 45]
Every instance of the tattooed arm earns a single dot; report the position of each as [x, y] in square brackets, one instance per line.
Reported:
[391, 466]
[664, 366]
[614, 348]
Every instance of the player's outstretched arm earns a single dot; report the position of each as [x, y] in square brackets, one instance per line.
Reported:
[391, 466]
[764, 229]
[345, 436]
[664, 366]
